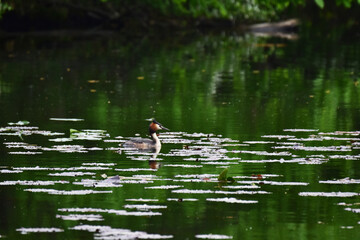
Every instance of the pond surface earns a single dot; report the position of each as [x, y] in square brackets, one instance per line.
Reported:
[281, 115]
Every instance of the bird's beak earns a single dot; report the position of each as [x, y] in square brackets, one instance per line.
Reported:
[164, 128]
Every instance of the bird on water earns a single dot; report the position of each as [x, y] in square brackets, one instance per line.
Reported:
[145, 143]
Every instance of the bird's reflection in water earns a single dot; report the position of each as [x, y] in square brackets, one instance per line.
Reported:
[153, 164]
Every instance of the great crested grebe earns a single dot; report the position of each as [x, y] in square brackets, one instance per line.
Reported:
[147, 144]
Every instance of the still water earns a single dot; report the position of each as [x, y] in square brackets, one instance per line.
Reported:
[281, 115]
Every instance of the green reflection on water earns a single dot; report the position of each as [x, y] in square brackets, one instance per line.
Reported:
[239, 86]
[253, 85]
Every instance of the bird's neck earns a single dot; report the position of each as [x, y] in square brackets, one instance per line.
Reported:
[155, 138]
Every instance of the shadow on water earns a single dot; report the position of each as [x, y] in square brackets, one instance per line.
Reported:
[281, 115]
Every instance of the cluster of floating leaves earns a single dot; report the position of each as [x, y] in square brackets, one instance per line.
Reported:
[203, 149]
[192, 153]
[20, 131]
[107, 232]
[112, 211]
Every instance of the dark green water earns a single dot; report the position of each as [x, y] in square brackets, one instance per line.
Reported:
[282, 115]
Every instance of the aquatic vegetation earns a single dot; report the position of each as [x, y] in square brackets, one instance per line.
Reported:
[21, 131]
[24, 230]
[328, 194]
[223, 175]
[10, 171]
[192, 191]
[64, 192]
[270, 161]
[196, 176]
[213, 236]
[88, 134]
[144, 207]
[110, 211]
[264, 153]
[68, 149]
[301, 130]
[61, 139]
[241, 192]
[165, 187]
[182, 165]
[346, 227]
[20, 123]
[71, 174]
[354, 210]
[242, 187]
[323, 149]
[224, 178]
[107, 232]
[141, 200]
[342, 181]
[183, 199]
[196, 180]
[82, 217]
[99, 164]
[140, 181]
[99, 183]
[274, 183]
[135, 169]
[285, 183]
[32, 183]
[190, 168]
[231, 200]
[278, 136]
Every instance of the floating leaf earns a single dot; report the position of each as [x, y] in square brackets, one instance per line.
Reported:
[38, 230]
[213, 236]
[165, 187]
[112, 211]
[183, 199]
[328, 194]
[83, 217]
[20, 123]
[141, 200]
[74, 131]
[144, 207]
[64, 192]
[223, 175]
[107, 232]
[230, 200]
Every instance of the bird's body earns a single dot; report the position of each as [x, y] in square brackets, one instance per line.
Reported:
[146, 144]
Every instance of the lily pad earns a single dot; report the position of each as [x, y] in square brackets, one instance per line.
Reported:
[82, 217]
[231, 200]
[19, 123]
[24, 230]
[213, 236]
